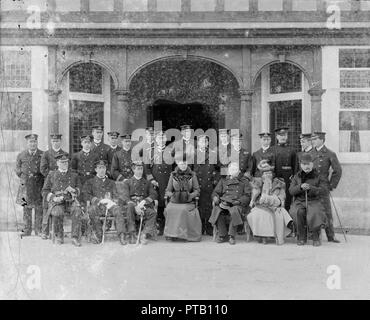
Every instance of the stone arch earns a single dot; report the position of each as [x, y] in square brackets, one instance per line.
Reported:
[305, 72]
[188, 57]
[75, 63]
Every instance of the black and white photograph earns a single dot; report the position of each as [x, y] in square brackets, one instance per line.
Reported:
[184, 150]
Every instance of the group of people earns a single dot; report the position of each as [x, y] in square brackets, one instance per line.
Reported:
[275, 191]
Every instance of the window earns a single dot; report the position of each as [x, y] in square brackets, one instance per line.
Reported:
[15, 98]
[354, 109]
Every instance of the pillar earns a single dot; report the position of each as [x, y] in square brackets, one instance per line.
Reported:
[246, 117]
[316, 94]
[122, 107]
[53, 98]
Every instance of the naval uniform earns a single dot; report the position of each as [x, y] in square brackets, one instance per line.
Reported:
[285, 166]
[29, 191]
[121, 165]
[323, 160]
[55, 184]
[111, 153]
[258, 156]
[48, 163]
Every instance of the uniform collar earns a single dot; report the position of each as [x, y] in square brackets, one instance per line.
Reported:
[127, 150]
[32, 153]
[136, 178]
[308, 149]
[321, 148]
[56, 150]
[283, 144]
[265, 148]
[63, 171]
[85, 152]
[97, 142]
[114, 147]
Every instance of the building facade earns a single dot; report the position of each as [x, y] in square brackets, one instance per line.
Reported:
[247, 64]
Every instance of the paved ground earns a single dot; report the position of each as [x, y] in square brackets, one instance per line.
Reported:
[163, 270]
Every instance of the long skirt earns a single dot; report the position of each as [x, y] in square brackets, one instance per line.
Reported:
[183, 221]
[265, 222]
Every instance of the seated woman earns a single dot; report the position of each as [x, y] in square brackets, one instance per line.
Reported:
[182, 216]
[268, 218]
[308, 188]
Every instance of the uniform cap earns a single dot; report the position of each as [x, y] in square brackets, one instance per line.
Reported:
[86, 137]
[126, 136]
[113, 134]
[305, 136]
[150, 129]
[281, 130]
[318, 134]
[98, 126]
[101, 163]
[56, 136]
[223, 131]
[306, 158]
[185, 126]
[32, 136]
[62, 157]
[138, 163]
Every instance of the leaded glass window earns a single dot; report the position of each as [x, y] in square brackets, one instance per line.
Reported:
[15, 69]
[284, 78]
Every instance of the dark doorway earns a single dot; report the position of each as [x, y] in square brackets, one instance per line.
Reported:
[174, 114]
[287, 113]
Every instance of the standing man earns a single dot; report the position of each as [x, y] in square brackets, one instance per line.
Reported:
[207, 171]
[29, 192]
[62, 190]
[266, 152]
[102, 194]
[122, 161]
[185, 145]
[324, 160]
[113, 148]
[306, 145]
[139, 196]
[98, 146]
[158, 172]
[223, 150]
[49, 163]
[285, 161]
[83, 162]
[243, 156]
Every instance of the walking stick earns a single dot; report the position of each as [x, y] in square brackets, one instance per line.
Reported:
[306, 198]
[340, 223]
[141, 224]
[104, 224]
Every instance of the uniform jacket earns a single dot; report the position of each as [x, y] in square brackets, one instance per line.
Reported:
[48, 162]
[323, 160]
[208, 175]
[142, 189]
[111, 153]
[84, 165]
[31, 180]
[101, 150]
[236, 192]
[259, 155]
[315, 210]
[96, 188]
[183, 186]
[121, 165]
[57, 181]
[159, 171]
[285, 161]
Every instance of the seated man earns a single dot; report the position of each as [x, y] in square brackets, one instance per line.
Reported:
[61, 189]
[139, 196]
[307, 188]
[230, 197]
[102, 194]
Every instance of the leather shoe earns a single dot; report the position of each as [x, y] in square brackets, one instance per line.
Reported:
[221, 239]
[333, 240]
[232, 240]
[122, 239]
[44, 236]
[76, 242]
[316, 243]
[301, 242]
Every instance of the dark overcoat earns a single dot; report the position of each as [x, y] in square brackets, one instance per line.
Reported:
[121, 165]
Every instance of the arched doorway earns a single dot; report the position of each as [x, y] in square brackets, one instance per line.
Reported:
[284, 100]
[192, 91]
[86, 99]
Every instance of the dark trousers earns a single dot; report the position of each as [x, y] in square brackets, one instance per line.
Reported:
[329, 229]
[302, 226]
[224, 226]
[161, 220]
[95, 212]
[27, 219]
[58, 212]
[149, 220]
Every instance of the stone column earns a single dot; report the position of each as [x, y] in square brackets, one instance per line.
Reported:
[316, 94]
[246, 117]
[122, 108]
[53, 98]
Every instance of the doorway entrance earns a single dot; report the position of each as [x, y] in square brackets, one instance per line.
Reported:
[174, 114]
